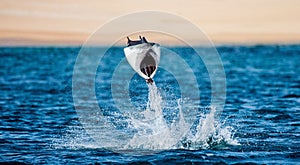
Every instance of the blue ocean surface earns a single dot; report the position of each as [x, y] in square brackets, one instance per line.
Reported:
[40, 124]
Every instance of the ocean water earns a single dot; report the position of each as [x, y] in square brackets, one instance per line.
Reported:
[39, 122]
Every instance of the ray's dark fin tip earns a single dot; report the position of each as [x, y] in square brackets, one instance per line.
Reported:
[149, 81]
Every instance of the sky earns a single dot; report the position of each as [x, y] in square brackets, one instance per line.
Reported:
[71, 22]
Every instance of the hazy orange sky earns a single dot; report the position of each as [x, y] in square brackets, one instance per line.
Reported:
[70, 22]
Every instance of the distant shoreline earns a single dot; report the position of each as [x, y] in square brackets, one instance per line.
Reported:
[71, 40]
[104, 45]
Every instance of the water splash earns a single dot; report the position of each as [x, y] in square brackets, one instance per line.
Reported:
[153, 132]
[209, 133]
